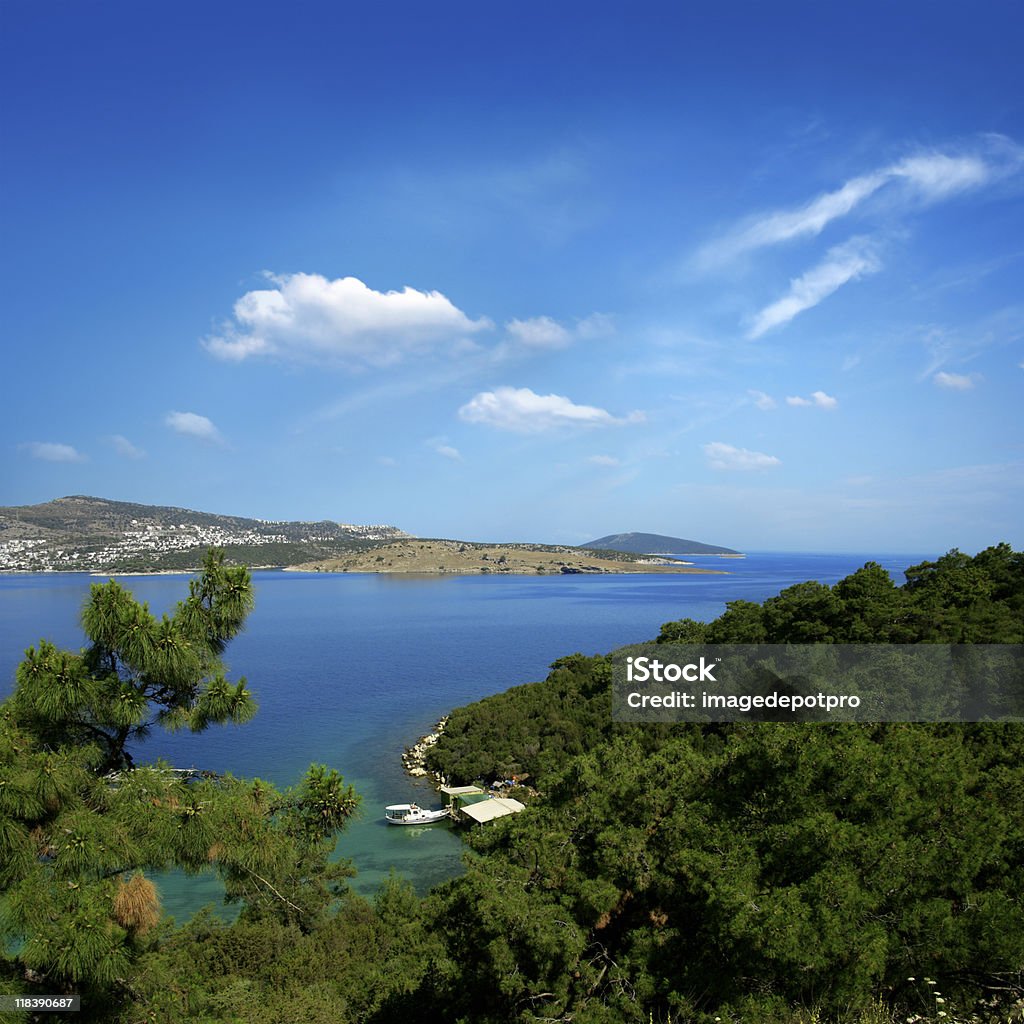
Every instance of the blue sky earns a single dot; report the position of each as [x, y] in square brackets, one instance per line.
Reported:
[750, 274]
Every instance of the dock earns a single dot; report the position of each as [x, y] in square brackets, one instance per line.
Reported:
[479, 805]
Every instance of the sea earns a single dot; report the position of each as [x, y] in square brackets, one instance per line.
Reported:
[350, 669]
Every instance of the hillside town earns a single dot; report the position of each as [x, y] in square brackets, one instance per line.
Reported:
[147, 543]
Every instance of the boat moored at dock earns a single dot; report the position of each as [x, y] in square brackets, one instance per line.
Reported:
[412, 814]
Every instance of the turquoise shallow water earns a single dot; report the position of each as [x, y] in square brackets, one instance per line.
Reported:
[350, 669]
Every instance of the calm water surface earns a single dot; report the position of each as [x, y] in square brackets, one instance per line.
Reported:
[350, 669]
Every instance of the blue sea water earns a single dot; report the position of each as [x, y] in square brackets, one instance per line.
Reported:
[349, 669]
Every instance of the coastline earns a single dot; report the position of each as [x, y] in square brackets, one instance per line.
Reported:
[444, 558]
[443, 571]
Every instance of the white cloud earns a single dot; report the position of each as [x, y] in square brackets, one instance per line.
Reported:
[956, 381]
[761, 400]
[818, 398]
[125, 448]
[191, 424]
[543, 332]
[603, 460]
[597, 325]
[935, 175]
[843, 263]
[525, 412]
[925, 177]
[725, 456]
[308, 318]
[783, 225]
[448, 452]
[387, 460]
[539, 332]
[51, 451]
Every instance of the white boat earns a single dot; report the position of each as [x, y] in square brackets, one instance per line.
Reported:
[412, 814]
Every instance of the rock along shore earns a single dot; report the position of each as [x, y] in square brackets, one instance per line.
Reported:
[414, 760]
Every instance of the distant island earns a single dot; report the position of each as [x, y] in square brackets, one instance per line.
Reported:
[79, 533]
[656, 544]
[416, 555]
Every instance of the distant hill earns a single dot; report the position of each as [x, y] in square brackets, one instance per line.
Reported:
[85, 533]
[655, 543]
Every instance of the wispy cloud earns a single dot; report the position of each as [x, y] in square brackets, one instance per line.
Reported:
[309, 318]
[783, 225]
[546, 197]
[842, 264]
[543, 332]
[607, 461]
[125, 448]
[924, 177]
[727, 457]
[956, 381]
[958, 345]
[191, 424]
[539, 332]
[446, 451]
[524, 411]
[761, 400]
[818, 399]
[52, 451]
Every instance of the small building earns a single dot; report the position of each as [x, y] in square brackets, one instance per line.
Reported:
[478, 805]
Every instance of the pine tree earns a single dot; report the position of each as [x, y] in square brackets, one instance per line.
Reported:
[81, 822]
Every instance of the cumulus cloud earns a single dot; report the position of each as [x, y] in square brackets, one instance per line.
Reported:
[51, 451]
[191, 424]
[309, 318]
[818, 398]
[761, 400]
[727, 457]
[956, 381]
[926, 177]
[524, 411]
[842, 264]
[125, 448]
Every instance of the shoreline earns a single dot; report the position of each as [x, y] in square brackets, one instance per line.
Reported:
[414, 758]
[642, 570]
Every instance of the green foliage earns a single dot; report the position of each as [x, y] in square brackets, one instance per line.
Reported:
[530, 728]
[745, 871]
[138, 671]
[956, 599]
[80, 822]
[741, 873]
[349, 968]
